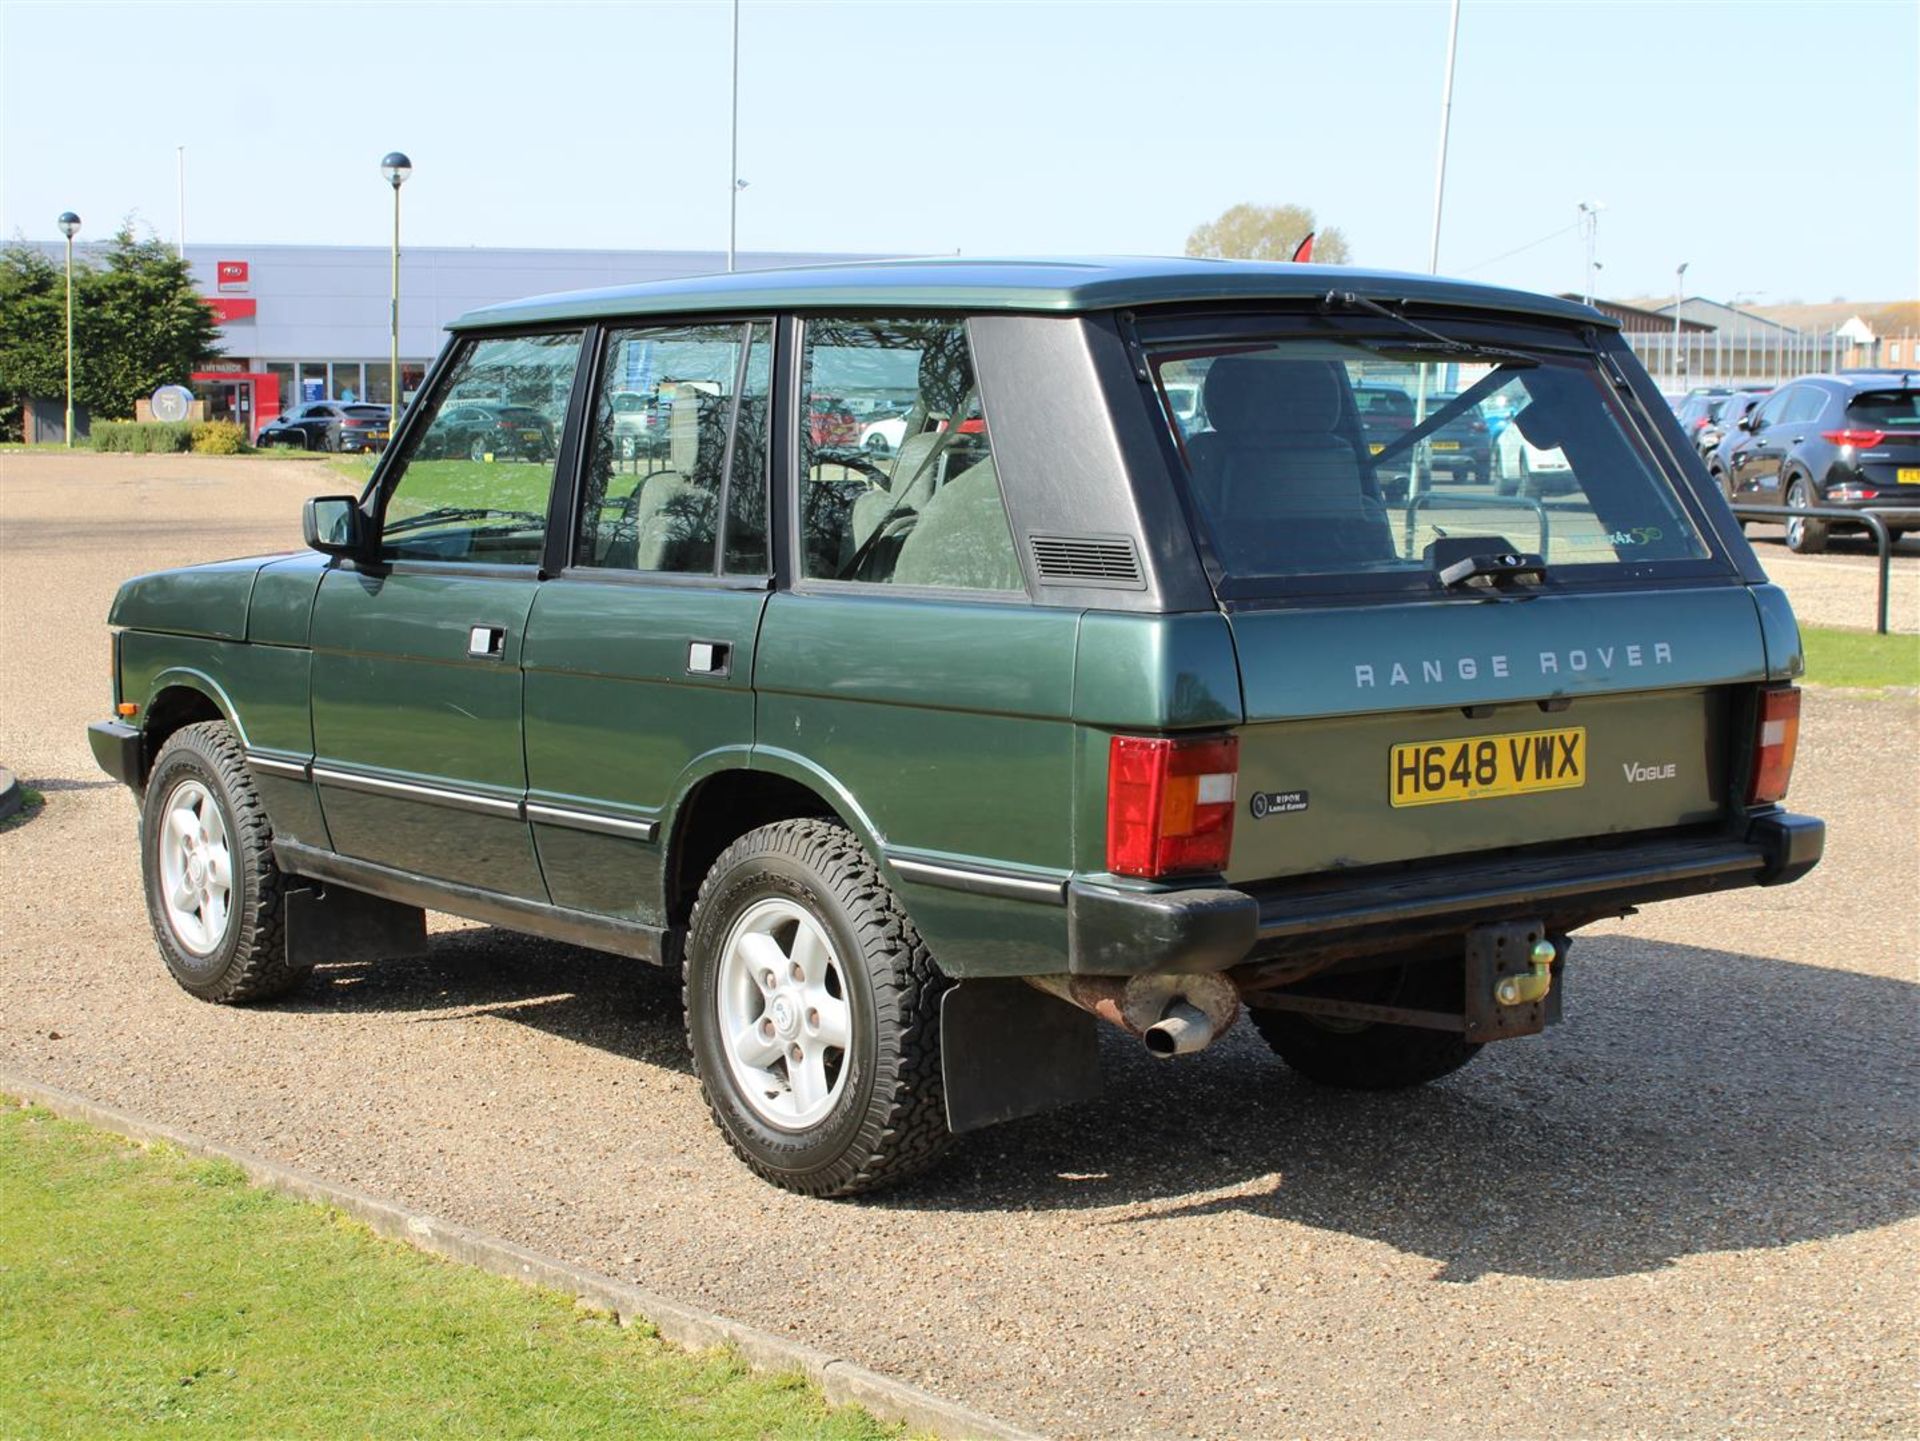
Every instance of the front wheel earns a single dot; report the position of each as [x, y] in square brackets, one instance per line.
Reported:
[1373, 1055]
[214, 893]
[813, 1014]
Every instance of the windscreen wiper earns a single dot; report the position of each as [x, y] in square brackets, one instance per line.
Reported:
[1447, 343]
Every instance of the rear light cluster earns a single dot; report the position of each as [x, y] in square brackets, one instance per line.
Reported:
[1855, 436]
[1170, 804]
[1777, 738]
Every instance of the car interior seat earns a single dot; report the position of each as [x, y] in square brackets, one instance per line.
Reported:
[946, 395]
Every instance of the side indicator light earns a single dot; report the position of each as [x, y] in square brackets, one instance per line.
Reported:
[126, 708]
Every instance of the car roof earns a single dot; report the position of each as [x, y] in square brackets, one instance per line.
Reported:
[1057, 286]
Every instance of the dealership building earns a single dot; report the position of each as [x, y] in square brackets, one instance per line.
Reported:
[312, 322]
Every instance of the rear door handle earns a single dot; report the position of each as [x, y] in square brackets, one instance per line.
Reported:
[708, 657]
[486, 642]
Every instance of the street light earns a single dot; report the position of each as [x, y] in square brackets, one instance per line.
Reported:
[1679, 287]
[69, 227]
[1590, 222]
[396, 167]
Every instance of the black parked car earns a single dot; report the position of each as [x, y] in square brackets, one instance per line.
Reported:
[1701, 413]
[1725, 421]
[1847, 440]
[1463, 447]
[482, 430]
[330, 425]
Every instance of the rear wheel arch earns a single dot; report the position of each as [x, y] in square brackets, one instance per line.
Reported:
[718, 809]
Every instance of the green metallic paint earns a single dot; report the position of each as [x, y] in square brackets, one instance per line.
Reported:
[614, 721]
[1156, 672]
[1342, 763]
[1302, 663]
[209, 600]
[282, 608]
[1786, 660]
[397, 697]
[1059, 286]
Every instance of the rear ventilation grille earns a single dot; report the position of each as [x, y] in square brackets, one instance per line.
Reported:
[1098, 560]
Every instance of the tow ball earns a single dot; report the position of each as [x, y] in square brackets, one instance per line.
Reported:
[1534, 985]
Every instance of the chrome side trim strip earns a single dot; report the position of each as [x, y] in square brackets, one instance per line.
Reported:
[274, 766]
[980, 881]
[409, 790]
[546, 815]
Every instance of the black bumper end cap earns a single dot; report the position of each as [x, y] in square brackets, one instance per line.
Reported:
[119, 751]
[1792, 844]
[1112, 932]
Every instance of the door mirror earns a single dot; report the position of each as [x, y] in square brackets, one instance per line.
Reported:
[334, 525]
[1750, 421]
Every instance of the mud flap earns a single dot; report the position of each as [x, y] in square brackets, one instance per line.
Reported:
[1008, 1050]
[331, 923]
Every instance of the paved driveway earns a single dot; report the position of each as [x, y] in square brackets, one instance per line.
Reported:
[1690, 1211]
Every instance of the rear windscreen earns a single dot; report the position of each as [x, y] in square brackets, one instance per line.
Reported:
[1327, 457]
[1887, 409]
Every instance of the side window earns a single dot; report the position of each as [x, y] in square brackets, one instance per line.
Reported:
[473, 483]
[1808, 402]
[921, 507]
[747, 478]
[1770, 412]
[652, 498]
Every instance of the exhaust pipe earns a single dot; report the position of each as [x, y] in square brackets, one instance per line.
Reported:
[1172, 1015]
[1183, 1030]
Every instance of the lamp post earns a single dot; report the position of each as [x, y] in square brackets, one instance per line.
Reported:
[1590, 222]
[1679, 287]
[396, 167]
[69, 227]
[733, 192]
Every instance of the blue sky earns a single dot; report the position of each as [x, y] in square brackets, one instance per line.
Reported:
[1000, 128]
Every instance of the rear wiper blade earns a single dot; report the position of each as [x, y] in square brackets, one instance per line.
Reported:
[459, 512]
[1447, 343]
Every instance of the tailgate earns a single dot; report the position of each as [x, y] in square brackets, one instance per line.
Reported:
[1392, 733]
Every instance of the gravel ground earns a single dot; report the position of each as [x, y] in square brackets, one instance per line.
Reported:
[1690, 1211]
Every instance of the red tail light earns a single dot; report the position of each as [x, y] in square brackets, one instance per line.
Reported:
[1776, 740]
[1170, 804]
[1865, 439]
[506, 425]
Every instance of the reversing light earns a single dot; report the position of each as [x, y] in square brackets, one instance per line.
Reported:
[1170, 804]
[1777, 738]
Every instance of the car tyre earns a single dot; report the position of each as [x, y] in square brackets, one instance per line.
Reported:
[1804, 537]
[813, 1014]
[214, 894]
[1371, 1055]
[878, 445]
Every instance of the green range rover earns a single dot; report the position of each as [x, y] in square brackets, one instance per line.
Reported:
[1114, 690]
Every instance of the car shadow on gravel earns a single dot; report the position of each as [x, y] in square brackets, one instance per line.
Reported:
[1696, 1101]
[612, 1003]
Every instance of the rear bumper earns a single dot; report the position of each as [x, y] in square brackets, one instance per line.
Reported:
[1112, 931]
[117, 750]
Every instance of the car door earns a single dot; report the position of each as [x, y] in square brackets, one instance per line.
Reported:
[1756, 459]
[640, 652]
[419, 749]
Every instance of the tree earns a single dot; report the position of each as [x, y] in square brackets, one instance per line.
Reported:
[138, 324]
[1266, 232]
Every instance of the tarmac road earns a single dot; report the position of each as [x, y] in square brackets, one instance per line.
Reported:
[1692, 1210]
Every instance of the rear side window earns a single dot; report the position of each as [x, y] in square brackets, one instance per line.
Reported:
[1361, 462]
[1806, 405]
[1886, 409]
[912, 500]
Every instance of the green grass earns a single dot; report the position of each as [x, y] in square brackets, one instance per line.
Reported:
[142, 1290]
[1861, 660]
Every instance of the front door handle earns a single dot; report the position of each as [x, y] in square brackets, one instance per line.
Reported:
[709, 657]
[486, 642]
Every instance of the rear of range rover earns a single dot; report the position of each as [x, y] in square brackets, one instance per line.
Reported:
[1475, 702]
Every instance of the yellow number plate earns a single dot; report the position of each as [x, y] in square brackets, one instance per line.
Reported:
[1425, 773]
[1446, 445]
[1908, 475]
[1374, 448]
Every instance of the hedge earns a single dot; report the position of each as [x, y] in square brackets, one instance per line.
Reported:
[146, 437]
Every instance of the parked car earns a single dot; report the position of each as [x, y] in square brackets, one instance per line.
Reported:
[1726, 415]
[639, 424]
[1848, 440]
[884, 436]
[831, 424]
[485, 430]
[1059, 722]
[1700, 413]
[329, 425]
[1462, 448]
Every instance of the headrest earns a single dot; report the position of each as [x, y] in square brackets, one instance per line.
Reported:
[1245, 393]
[946, 369]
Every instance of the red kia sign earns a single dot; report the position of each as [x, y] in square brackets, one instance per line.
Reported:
[233, 274]
[225, 309]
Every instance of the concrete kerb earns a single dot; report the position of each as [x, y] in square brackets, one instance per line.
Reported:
[843, 1382]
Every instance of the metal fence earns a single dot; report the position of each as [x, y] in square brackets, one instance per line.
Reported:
[1752, 357]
